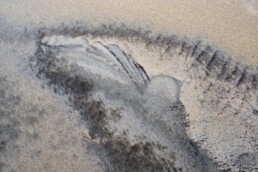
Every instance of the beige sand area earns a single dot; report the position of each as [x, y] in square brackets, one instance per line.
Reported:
[232, 25]
[229, 25]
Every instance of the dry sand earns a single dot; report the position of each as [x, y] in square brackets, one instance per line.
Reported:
[231, 25]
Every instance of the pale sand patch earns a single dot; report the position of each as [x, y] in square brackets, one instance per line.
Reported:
[232, 24]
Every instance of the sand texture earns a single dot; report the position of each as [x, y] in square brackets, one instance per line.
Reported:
[133, 86]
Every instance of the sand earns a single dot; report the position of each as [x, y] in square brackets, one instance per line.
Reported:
[230, 25]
